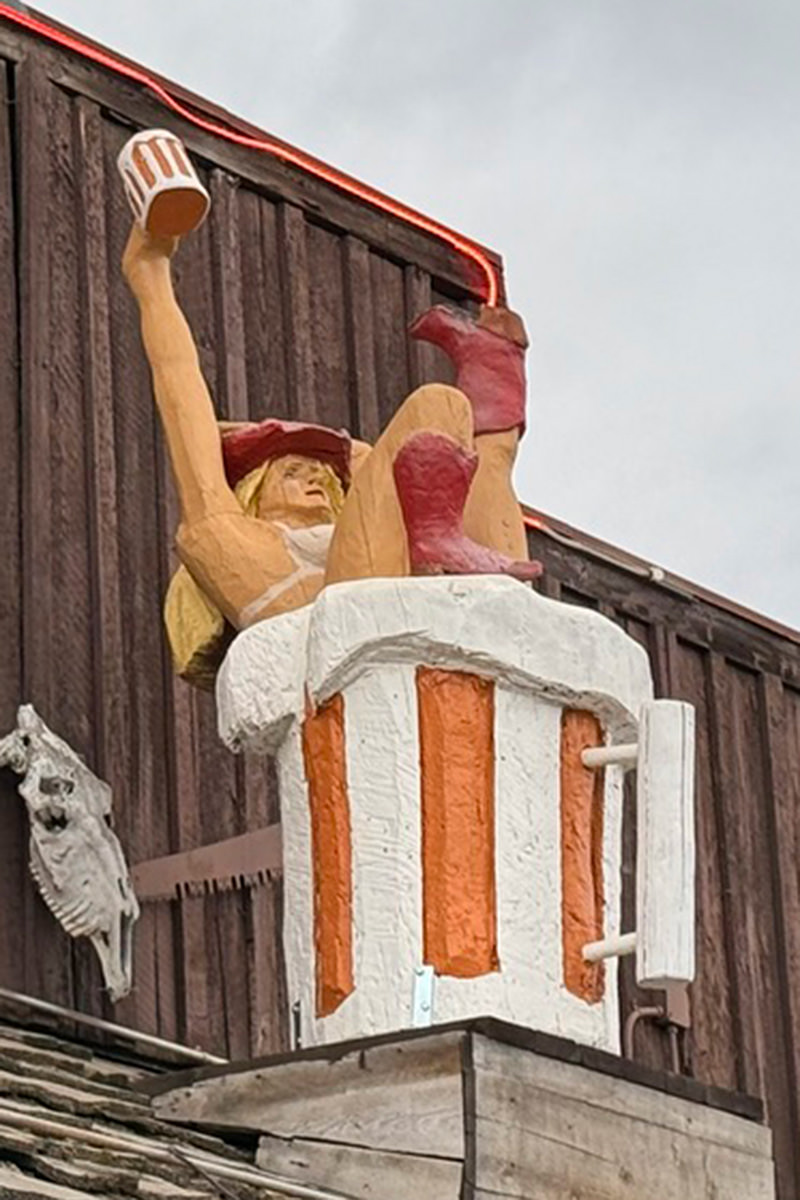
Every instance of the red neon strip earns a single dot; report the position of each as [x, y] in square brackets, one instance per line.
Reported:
[295, 157]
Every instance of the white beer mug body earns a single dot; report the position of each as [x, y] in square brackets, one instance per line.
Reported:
[167, 198]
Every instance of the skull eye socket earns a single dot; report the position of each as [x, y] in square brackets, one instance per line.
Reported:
[56, 785]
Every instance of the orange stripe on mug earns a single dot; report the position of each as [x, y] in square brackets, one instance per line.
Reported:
[582, 891]
[324, 757]
[456, 732]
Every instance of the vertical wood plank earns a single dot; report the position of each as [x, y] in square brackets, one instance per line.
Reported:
[421, 355]
[426, 363]
[388, 319]
[364, 416]
[266, 969]
[228, 307]
[152, 797]
[547, 584]
[252, 317]
[298, 339]
[202, 777]
[725, 788]
[764, 1039]
[70, 569]
[109, 706]
[444, 369]
[48, 960]
[262, 306]
[662, 657]
[13, 822]
[712, 1038]
[328, 336]
[33, 109]
[71, 652]
[228, 911]
[783, 836]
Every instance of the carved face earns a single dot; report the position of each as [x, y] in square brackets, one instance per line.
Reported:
[295, 486]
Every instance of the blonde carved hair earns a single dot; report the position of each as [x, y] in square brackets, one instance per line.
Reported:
[198, 633]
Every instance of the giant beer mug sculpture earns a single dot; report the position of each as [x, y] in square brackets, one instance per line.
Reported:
[450, 745]
[167, 198]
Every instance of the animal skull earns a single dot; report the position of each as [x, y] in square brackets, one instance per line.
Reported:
[75, 856]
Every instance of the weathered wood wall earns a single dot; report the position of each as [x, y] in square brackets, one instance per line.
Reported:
[744, 679]
[299, 299]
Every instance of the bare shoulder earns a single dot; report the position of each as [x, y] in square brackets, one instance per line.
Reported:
[359, 453]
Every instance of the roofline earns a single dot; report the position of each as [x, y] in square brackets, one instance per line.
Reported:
[534, 518]
[18, 15]
[547, 1045]
[666, 580]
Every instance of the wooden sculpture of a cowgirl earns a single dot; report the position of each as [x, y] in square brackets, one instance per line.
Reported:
[272, 512]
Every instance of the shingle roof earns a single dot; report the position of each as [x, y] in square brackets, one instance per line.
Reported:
[73, 1125]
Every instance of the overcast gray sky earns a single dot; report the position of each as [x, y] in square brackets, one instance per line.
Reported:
[637, 164]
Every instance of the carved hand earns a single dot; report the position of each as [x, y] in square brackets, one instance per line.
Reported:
[144, 253]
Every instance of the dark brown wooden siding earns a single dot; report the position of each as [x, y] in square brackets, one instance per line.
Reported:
[744, 679]
[299, 299]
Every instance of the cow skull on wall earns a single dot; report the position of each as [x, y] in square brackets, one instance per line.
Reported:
[75, 856]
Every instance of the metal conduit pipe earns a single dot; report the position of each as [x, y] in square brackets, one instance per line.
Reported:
[204, 1164]
[144, 1039]
[651, 1013]
[654, 1013]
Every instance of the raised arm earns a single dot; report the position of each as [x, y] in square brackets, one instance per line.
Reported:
[184, 404]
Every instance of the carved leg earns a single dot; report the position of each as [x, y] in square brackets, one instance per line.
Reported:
[492, 515]
[433, 474]
[489, 357]
[370, 537]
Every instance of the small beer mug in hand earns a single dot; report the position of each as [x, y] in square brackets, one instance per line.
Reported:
[167, 198]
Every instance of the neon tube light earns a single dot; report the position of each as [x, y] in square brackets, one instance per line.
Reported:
[295, 157]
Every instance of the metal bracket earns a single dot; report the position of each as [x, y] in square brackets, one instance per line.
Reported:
[422, 998]
[296, 1033]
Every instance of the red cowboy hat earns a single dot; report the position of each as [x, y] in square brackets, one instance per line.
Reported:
[245, 447]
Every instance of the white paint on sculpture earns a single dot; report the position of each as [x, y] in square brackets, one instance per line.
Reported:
[490, 625]
[665, 880]
[298, 881]
[260, 685]
[527, 989]
[383, 789]
[162, 186]
[366, 640]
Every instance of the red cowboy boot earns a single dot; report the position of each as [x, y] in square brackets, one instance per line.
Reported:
[432, 474]
[489, 357]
